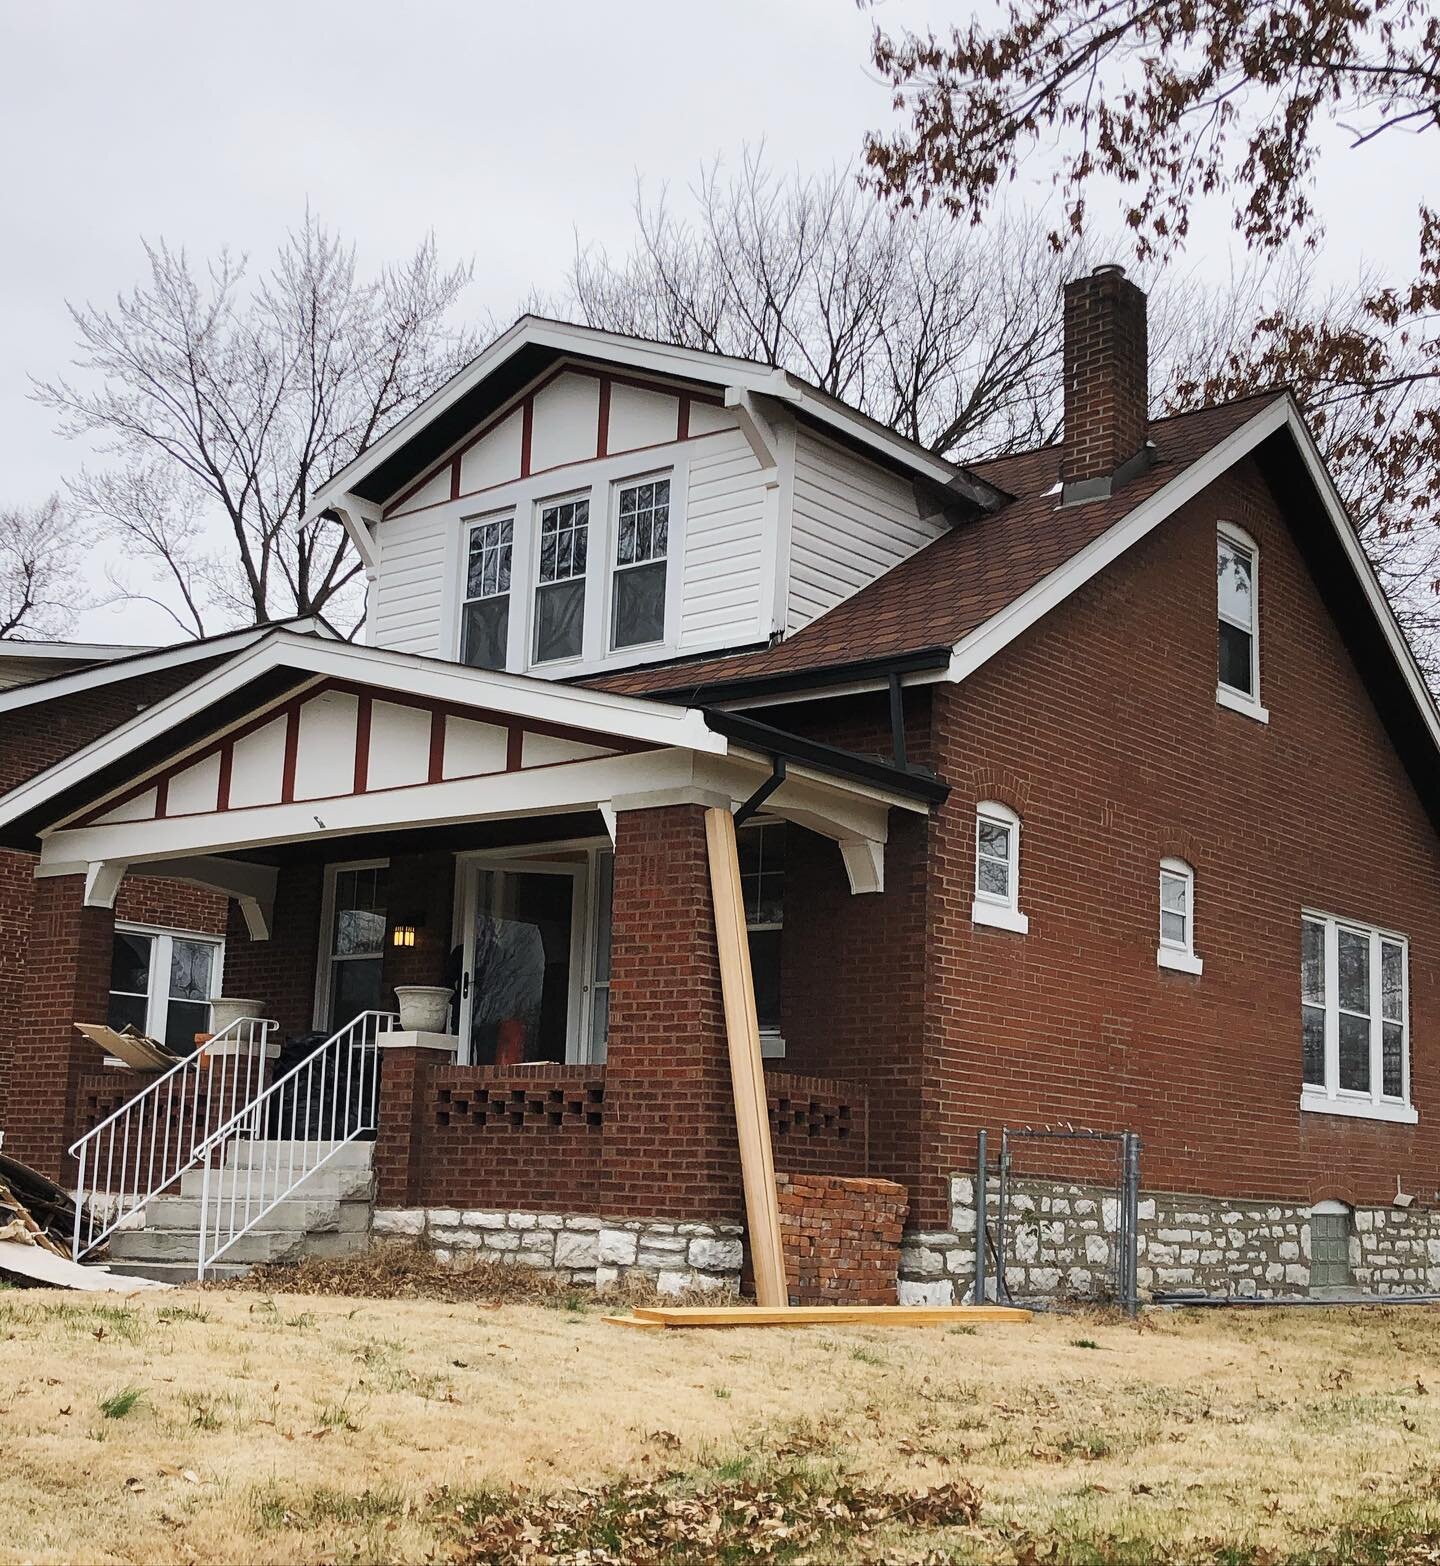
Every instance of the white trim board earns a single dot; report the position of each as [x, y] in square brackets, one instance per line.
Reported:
[982, 644]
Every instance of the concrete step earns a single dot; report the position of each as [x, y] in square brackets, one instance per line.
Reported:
[258, 1245]
[176, 1272]
[328, 1184]
[312, 1216]
[277, 1154]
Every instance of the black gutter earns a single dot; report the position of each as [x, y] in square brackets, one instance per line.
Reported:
[923, 661]
[778, 744]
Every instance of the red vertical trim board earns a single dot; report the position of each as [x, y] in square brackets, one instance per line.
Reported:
[682, 417]
[162, 795]
[227, 766]
[455, 479]
[292, 751]
[437, 745]
[602, 434]
[527, 428]
[514, 748]
[362, 744]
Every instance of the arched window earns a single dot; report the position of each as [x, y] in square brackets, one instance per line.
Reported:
[997, 868]
[1177, 918]
[1237, 601]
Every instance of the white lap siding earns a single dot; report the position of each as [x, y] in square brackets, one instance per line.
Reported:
[410, 586]
[851, 522]
[725, 556]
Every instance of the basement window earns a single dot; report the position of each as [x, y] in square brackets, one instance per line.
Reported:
[1355, 1020]
[162, 983]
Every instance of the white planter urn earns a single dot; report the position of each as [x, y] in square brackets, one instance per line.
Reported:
[424, 1008]
[226, 1010]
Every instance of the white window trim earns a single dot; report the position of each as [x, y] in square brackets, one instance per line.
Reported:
[599, 480]
[469, 523]
[613, 568]
[157, 997]
[1179, 956]
[1000, 913]
[1332, 1099]
[1246, 702]
[326, 937]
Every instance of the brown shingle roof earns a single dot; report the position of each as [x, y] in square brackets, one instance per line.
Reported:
[947, 589]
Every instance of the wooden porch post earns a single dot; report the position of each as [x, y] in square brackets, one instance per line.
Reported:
[747, 1072]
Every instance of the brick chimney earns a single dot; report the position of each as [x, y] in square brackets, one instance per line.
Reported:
[1106, 384]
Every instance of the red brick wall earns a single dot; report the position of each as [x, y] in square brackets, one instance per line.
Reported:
[670, 1147]
[1100, 727]
[280, 972]
[1106, 362]
[841, 1239]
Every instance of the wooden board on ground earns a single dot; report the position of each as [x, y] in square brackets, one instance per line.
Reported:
[822, 1315]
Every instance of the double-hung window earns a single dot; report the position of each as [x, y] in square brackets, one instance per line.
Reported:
[997, 868]
[485, 615]
[162, 983]
[1237, 594]
[1177, 918]
[642, 538]
[352, 952]
[761, 850]
[560, 591]
[1355, 1019]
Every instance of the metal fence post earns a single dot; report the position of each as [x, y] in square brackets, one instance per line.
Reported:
[982, 1181]
[1132, 1222]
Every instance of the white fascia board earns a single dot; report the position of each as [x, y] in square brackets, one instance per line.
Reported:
[689, 364]
[519, 696]
[127, 666]
[72, 652]
[976, 649]
[986, 640]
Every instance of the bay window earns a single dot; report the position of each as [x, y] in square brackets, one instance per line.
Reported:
[1355, 1020]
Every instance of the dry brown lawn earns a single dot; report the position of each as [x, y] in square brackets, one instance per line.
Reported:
[219, 1426]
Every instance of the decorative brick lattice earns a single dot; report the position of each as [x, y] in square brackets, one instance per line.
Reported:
[509, 1103]
[817, 1125]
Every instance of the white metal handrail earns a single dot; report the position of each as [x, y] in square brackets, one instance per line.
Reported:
[149, 1135]
[301, 1121]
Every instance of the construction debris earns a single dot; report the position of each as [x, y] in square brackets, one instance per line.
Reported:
[36, 1205]
[655, 1317]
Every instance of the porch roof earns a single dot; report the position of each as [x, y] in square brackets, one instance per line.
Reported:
[299, 738]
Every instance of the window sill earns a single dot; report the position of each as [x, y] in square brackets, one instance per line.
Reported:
[1362, 1109]
[1178, 961]
[999, 917]
[1247, 706]
[772, 1046]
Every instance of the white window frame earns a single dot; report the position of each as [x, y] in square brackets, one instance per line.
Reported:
[1332, 1099]
[157, 997]
[1247, 702]
[324, 957]
[544, 503]
[470, 525]
[613, 568]
[1178, 956]
[772, 1040]
[988, 908]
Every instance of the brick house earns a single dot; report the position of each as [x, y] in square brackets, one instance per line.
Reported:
[1051, 776]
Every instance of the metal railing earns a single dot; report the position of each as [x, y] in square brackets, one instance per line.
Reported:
[304, 1118]
[143, 1148]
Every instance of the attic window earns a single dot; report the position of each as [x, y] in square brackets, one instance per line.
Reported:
[560, 593]
[642, 539]
[1237, 593]
[485, 624]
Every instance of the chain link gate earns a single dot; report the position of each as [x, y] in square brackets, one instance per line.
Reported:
[1073, 1166]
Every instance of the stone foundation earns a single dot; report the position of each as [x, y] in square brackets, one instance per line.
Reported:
[676, 1256]
[1062, 1240]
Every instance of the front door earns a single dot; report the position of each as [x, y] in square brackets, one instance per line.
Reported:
[521, 990]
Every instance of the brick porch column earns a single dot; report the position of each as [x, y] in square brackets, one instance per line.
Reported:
[67, 980]
[670, 1149]
[400, 1127]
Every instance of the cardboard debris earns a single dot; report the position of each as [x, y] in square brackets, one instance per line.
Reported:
[31, 1263]
[31, 1204]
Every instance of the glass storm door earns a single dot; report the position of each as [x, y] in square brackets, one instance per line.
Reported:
[520, 989]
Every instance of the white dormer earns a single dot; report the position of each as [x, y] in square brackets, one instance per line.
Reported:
[575, 502]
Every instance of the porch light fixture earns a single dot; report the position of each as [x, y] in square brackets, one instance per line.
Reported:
[402, 935]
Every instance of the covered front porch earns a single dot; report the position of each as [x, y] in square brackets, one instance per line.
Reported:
[576, 1106]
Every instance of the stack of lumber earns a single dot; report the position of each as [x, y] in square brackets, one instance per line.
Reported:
[659, 1317]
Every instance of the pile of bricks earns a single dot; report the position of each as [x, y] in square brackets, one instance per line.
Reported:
[841, 1238]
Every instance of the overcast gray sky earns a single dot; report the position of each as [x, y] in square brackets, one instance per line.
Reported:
[503, 128]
